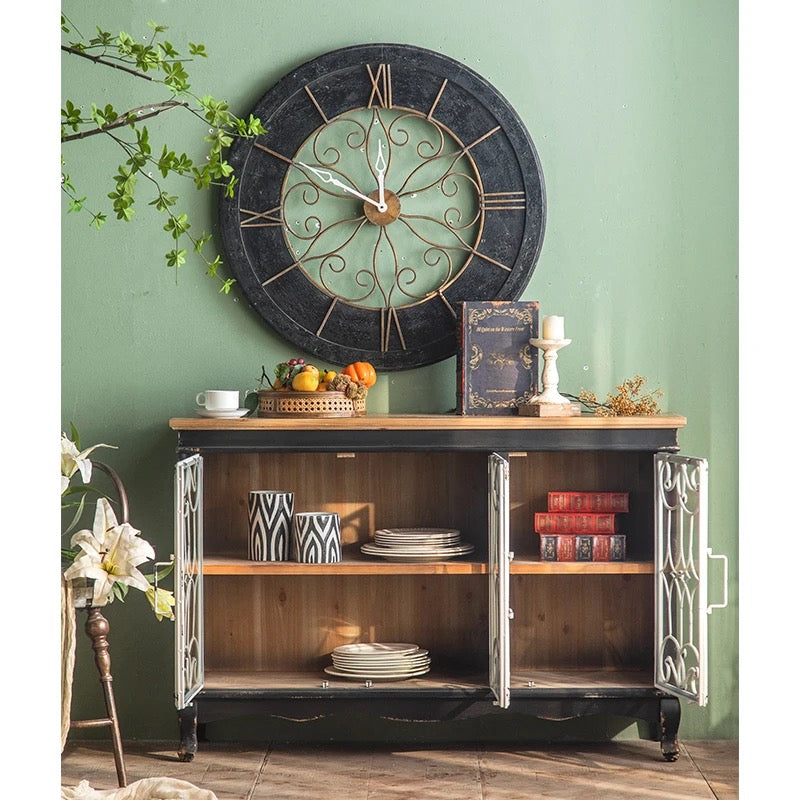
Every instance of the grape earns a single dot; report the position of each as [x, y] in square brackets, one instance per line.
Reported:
[292, 361]
[300, 361]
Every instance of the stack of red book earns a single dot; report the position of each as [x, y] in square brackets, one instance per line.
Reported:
[582, 526]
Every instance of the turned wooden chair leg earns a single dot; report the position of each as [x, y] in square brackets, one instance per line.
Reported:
[97, 628]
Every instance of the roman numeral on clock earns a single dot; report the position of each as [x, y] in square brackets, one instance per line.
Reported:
[381, 81]
[389, 317]
[503, 201]
[261, 219]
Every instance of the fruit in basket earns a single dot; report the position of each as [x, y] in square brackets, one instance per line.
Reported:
[306, 381]
[325, 377]
[344, 383]
[361, 372]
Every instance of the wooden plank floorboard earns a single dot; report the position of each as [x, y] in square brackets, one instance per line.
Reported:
[625, 770]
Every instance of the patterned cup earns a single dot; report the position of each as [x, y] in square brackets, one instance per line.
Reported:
[270, 516]
[317, 538]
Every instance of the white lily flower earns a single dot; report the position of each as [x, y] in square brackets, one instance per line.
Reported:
[162, 602]
[111, 553]
[74, 460]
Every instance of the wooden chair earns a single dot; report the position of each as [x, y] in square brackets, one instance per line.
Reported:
[97, 628]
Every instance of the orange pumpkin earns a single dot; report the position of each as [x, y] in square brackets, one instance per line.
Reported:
[361, 371]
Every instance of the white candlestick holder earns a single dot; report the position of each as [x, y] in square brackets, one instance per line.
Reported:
[549, 403]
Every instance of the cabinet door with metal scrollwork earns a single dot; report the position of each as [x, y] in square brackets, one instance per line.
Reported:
[189, 672]
[500, 612]
[392, 184]
[682, 553]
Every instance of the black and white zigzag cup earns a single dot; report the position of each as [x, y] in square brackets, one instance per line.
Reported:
[317, 538]
[270, 516]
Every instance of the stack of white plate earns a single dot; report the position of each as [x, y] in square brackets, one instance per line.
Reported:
[381, 661]
[416, 544]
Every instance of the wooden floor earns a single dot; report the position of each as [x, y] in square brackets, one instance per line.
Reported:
[624, 769]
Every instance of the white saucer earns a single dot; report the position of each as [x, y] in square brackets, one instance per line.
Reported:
[232, 414]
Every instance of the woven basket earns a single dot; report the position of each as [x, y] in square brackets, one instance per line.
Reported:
[289, 403]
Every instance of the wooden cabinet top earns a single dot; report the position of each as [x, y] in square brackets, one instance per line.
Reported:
[429, 431]
[419, 422]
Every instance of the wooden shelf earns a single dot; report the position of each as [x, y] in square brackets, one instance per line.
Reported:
[219, 565]
[429, 422]
[223, 565]
[585, 679]
[533, 566]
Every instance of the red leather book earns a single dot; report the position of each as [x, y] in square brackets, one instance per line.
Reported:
[578, 547]
[588, 502]
[563, 522]
[557, 548]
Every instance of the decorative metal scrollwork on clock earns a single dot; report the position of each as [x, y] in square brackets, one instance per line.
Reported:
[393, 183]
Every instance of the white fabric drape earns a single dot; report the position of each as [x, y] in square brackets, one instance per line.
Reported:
[67, 656]
[145, 789]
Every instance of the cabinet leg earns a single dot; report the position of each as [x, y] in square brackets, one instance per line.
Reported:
[669, 721]
[187, 718]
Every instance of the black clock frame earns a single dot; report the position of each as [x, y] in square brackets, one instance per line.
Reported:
[471, 107]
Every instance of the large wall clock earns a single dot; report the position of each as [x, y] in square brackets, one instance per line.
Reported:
[392, 184]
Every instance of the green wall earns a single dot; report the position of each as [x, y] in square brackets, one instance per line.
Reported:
[633, 106]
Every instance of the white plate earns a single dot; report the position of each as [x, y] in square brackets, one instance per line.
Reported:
[353, 676]
[354, 663]
[433, 533]
[379, 658]
[397, 542]
[422, 557]
[410, 663]
[372, 648]
[445, 551]
[418, 653]
[415, 548]
[232, 414]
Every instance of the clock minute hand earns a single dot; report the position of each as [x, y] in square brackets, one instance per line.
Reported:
[326, 177]
[380, 168]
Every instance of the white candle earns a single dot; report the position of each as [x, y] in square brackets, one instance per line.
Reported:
[553, 328]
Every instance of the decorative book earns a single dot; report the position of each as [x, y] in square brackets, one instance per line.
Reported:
[578, 547]
[588, 502]
[497, 366]
[564, 522]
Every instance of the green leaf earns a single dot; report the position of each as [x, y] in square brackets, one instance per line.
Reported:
[168, 50]
[226, 286]
[177, 225]
[175, 258]
[214, 266]
[231, 186]
[197, 50]
[97, 220]
[76, 519]
[202, 241]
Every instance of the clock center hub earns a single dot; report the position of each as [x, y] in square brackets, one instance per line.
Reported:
[392, 212]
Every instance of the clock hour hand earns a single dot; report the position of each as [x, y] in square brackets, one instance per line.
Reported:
[380, 168]
[326, 177]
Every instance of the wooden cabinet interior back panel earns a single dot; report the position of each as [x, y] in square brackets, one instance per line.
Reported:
[292, 623]
[367, 490]
[533, 475]
[586, 621]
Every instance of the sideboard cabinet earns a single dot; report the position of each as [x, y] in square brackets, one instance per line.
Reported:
[504, 629]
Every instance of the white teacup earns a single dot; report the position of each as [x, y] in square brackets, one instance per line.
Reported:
[218, 400]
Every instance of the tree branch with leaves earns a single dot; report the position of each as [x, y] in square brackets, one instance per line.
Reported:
[158, 62]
